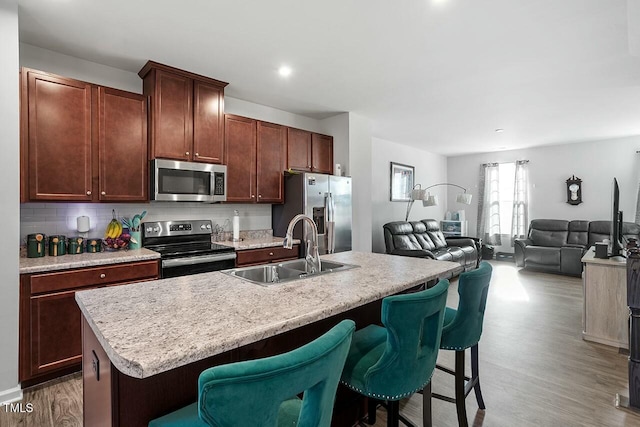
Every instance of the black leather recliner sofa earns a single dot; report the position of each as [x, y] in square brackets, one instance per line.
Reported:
[424, 239]
[557, 246]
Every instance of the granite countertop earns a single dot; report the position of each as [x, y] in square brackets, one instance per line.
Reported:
[149, 328]
[53, 263]
[256, 242]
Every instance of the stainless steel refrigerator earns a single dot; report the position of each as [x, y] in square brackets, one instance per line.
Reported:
[324, 198]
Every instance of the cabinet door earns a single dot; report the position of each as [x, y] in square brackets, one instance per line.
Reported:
[240, 145]
[298, 149]
[55, 332]
[59, 138]
[122, 145]
[271, 162]
[322, 153]
[172, 116]
[208, 123]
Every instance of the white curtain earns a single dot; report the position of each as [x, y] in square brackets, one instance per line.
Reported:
[489, 204]
[520, 218]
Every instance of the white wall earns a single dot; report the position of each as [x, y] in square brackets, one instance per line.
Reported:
[362, 174]
[596, 163]
[338, 127]
[9, 208]
[429, 169]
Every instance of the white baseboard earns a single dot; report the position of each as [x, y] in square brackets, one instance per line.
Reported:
[11, 395]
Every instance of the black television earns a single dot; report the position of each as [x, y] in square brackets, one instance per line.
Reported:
[616, 222]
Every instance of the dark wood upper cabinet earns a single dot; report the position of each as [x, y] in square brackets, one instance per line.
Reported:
[298, 149]
[307, 151]
[186, 114]
[321, 153]
[56, 139]
[240, 144]
[208, 123]
[81, 142]
[256, 159]
[122, 145]
[271, 162]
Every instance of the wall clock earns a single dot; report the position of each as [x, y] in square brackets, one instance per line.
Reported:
[574, 190]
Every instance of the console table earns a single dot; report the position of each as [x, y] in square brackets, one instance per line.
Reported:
[605, 314]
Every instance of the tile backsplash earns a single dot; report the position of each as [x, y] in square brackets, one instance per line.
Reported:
[60, 218]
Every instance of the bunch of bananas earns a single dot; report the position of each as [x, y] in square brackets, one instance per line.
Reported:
[114, 229]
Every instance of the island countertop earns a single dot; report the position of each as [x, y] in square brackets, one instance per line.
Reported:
[152, 327]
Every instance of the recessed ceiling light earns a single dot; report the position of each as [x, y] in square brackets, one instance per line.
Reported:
[499, 130]
[284, 71]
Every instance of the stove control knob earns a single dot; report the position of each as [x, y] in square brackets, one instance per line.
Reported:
[156, 229]
[202, 227]
[149, 230]
[208, 226]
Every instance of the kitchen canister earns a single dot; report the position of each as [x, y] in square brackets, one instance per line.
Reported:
[35, 245]
[94, 246]
[75, 245]
[57, 245]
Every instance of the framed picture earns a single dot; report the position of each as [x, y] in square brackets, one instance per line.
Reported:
[401, 182]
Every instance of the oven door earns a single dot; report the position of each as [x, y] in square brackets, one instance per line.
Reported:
[174, 267]
[187, 181]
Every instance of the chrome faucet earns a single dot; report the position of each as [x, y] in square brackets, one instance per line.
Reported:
[312, 256]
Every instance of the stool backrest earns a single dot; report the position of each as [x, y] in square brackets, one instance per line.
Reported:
[250, 393]
[414, 326]
[465, 329]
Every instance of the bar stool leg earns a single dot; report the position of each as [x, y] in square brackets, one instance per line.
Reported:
[393, 412]
[426, 406]
[372, 406]
[475, 375]
[461, 406]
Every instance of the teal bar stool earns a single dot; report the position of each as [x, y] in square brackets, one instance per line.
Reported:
[392, 362]
[462, 330]
[263, 392]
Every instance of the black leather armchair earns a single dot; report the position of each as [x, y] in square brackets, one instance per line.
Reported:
[424, 239]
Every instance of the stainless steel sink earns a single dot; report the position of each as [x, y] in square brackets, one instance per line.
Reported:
[271, 274]
[325, 266]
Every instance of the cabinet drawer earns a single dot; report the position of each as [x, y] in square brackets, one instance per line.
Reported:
[94, 276]
[264, 255]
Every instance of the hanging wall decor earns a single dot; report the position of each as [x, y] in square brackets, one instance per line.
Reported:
[574, 190]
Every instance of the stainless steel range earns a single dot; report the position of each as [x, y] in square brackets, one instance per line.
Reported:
[185, 247]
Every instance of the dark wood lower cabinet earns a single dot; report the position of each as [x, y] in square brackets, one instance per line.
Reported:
[263, 255]
[50, 319]
[117, 400]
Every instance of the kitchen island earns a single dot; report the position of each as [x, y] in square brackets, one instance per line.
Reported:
[144, 345]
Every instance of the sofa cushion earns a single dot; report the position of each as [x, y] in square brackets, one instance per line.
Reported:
[598, 231]
[436, 236]
[578, 233]
[542, 255]
[420, 231]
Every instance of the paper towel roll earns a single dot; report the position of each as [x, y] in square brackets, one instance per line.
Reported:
[236, 226]
[84, 224]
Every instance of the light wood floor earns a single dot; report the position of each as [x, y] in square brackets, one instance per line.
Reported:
[535, 369]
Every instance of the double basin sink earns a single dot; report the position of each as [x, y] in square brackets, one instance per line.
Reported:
[271, 274]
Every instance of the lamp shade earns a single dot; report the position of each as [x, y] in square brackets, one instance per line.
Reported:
[430, 201]
[464, 198]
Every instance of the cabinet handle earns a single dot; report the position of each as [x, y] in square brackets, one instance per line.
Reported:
[102, 275]
[259, 196]
[197, 154]
[253, 196]
[187, 153]
[88, 193]
[104, 193]
[270, 253]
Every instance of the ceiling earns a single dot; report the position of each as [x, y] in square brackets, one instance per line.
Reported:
[441, 75]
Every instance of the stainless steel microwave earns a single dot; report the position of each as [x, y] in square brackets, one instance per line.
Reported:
[176, 181]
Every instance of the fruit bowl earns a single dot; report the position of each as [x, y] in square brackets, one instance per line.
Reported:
[117, 243]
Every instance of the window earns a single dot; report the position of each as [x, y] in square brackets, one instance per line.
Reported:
[507, 175]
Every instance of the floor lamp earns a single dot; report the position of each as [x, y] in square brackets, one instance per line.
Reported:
[417, 193]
